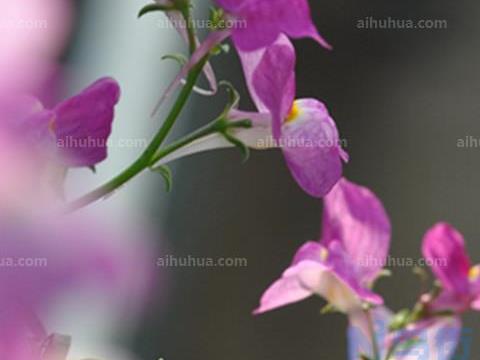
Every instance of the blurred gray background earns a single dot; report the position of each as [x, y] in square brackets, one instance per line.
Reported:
[401, 98]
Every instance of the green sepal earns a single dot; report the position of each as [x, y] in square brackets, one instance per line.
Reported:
[328, 309]
[153, 7]
[400, 320]
[365, 357]
[240, 145]
[166, 174]
[179, 58]
[217, 19]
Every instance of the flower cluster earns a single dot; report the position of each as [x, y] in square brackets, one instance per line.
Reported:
[39, 144]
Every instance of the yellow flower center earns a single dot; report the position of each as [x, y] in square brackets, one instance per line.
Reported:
[474, 273]
[294, 113]
[323, 254]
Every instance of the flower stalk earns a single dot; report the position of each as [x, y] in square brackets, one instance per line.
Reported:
[146, 158]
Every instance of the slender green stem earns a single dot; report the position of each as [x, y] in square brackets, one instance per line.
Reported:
[192, 42]
[145, 158]
[371, 330]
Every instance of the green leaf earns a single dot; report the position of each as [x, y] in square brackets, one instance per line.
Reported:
[153, 7]
[166, 174]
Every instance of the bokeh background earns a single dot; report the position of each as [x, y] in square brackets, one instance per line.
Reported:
[402, 99]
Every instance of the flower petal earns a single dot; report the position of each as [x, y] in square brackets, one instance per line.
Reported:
[84, 122]
[262, 21]
[310, 144]
[316, 271]
[286, 290]
[270, 77]
[355, 217]
[443, 248]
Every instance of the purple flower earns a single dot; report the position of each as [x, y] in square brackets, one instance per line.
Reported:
[77, 128]
[258, 23]
[444, 250]
[347, 259]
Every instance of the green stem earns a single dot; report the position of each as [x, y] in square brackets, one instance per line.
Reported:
[145, 158]
[192, 43]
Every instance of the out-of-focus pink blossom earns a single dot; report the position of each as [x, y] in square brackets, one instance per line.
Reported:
[32, 34]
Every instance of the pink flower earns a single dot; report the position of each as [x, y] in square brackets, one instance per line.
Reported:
[444, 250]
[303, 129]
[32, 34]
[43, 259]
[257, 25]
[342, 265]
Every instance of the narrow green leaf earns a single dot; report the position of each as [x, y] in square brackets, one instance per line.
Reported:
[153, 7]
[166, 174]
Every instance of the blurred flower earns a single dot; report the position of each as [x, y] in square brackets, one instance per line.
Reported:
[44, 259]
[444, 250]
[77, 128]
[32, 33]
[433, 339]
[342, 266]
